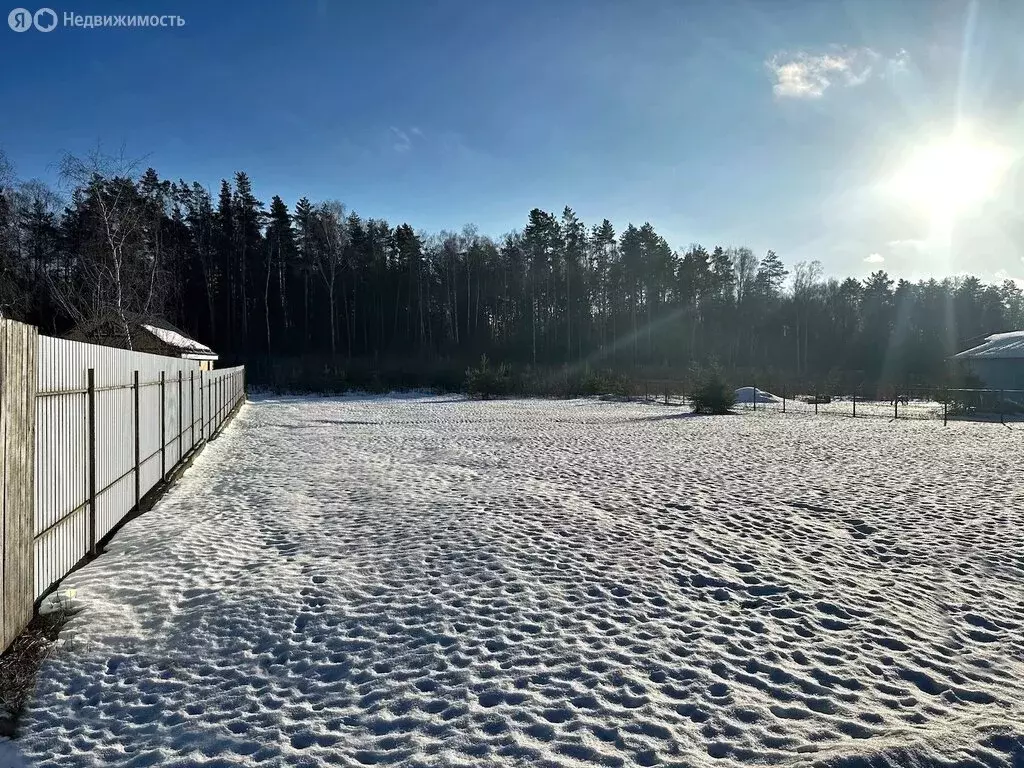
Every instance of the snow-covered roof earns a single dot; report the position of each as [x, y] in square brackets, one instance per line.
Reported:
[997, 346]
[190, 348]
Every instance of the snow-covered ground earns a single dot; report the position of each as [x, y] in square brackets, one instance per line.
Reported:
[430, 582]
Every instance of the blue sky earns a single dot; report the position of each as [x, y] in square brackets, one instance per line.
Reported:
[763, 123]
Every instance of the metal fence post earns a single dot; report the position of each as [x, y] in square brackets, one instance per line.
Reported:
[138, 469]
[783, 398]
[945, 406]
[1002, 407]
[816, 405]
[192, 407]
[181, 427]
[91, 392]
[163, 426]
[755, 398]
[855, 404]
[896, 405]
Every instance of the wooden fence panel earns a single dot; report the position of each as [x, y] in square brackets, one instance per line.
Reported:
[17, 438]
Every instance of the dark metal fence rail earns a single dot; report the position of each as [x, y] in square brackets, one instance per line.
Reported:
[111, 425]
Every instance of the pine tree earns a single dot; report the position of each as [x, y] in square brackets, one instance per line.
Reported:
[247, 214]
[305, 240]
[281, 262]
[603, 248]
[555, 292]
[224, 239]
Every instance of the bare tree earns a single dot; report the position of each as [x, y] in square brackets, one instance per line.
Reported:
[6, 230]
[332, 238]
[806, 277]
[116, 216]
[6, 171]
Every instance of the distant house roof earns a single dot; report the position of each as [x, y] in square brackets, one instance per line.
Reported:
[143, 334]
[172, 337]
[997, 346]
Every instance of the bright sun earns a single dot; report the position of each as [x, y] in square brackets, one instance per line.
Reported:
[945, 177]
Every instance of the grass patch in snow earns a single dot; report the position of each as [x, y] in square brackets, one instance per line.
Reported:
[20, 663]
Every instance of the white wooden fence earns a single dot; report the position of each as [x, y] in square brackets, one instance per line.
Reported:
[110, 425]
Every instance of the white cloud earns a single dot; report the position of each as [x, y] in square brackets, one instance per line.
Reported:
[874, 258]
[805, 75]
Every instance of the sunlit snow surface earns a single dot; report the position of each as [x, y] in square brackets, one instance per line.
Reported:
[431, 582]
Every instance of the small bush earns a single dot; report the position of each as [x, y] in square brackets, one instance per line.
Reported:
[605, 383]
[713, 397]
[486, 381]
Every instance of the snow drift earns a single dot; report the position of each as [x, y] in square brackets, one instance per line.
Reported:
[750, 395]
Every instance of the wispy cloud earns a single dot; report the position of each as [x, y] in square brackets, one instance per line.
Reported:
[402, 139]
[807, 75]
[909, 247]
[898, 63]
[875, 258]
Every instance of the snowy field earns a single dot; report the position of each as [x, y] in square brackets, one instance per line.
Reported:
[431, 582]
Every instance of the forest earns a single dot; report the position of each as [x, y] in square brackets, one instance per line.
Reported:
[309, 292]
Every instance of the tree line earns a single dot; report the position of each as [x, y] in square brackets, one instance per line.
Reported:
[316, 282]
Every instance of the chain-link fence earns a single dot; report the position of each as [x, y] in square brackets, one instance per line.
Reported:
[936, 403]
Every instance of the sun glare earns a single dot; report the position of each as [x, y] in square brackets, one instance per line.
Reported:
[945, 177]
